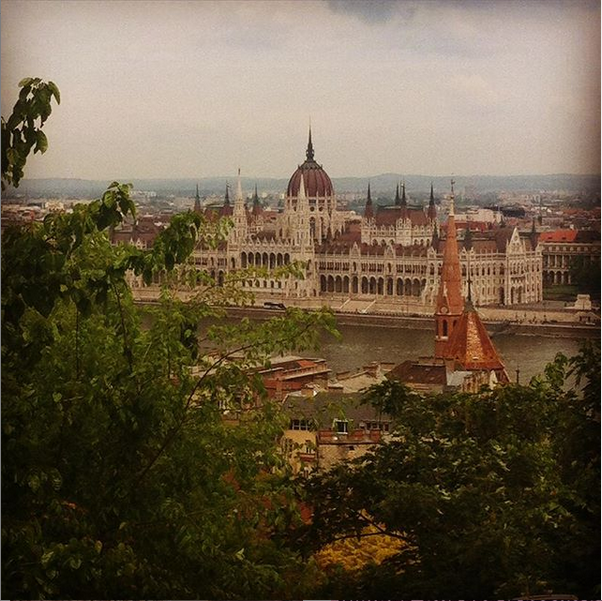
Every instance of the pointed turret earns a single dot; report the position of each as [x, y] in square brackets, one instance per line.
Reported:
[468, 237]
[226, 209]
[309, 153]
[301, 195]
[197, 201]
[435, 238]
[239, 187]
[533, 236]
[240, 213]
[449, 297]
[368, 211]
[256, 203]
[432, 210]
[397, 197]
[404, 202]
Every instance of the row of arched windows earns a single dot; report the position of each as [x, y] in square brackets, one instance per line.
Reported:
[373, 286]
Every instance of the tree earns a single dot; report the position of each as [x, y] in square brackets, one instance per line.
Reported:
[120, 477]
[22, 132]
[585, 274]
[495, 493]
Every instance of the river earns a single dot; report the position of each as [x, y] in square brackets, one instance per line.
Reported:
[362, 344]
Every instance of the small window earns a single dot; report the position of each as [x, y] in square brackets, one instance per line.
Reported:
[300, 424]
[341, 426]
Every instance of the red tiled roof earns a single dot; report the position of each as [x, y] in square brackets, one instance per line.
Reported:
[315, 181]
[470, 344]
[558, 236]
[390, 215]
[412, 372]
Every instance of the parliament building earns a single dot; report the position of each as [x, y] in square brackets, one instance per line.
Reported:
[388, 260]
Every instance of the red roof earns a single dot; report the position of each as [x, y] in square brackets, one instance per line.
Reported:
[471, 346]
[558, 236]
[315, 181]
[390, 215]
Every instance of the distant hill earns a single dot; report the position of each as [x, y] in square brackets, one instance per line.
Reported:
[384, 183]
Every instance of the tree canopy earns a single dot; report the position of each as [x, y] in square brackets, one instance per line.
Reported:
[495, 494]
[137, 465]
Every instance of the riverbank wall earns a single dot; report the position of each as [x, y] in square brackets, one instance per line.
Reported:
[525, 320]
[578, 331]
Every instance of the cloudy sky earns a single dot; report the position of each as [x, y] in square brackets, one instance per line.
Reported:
[197, 88]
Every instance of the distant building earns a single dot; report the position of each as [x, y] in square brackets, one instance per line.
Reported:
[561, 247]
[329, 428]
[465, 357]
[388, 259]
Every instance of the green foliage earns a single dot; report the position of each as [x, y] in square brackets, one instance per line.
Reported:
[585, 274]
[495, 494]
[22, 132]
[120, 476]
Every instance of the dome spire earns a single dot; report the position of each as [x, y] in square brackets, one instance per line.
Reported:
[309, 153]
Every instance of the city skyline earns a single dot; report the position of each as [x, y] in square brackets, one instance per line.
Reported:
[179, 89]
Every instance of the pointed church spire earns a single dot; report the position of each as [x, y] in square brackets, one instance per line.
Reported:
[309, 153]
[238, 187]
[397, 198]
[368, 211]
[227, 198]
[256, 205]
[432, 210]
[197, 201]
[533, 236]
[449, 296]
[404, 202]
[468, 237]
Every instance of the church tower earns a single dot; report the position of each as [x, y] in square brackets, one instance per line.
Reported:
[449, 306]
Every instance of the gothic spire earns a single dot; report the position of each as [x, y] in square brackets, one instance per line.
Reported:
[197, 201]
[534, 236]
[256, 205]
[432, 210]
[397, 198]
[301, 193]
[449, 296]
[238, 187]
[404, 202]
[309, 153]
[368, 211]
[227, 198]
[468, 237]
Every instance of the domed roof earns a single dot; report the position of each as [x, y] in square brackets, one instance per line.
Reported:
[315, 179]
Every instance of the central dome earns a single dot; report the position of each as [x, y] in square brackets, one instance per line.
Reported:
[315, 179]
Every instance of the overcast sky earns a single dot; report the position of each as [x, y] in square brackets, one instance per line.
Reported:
[195, 89]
